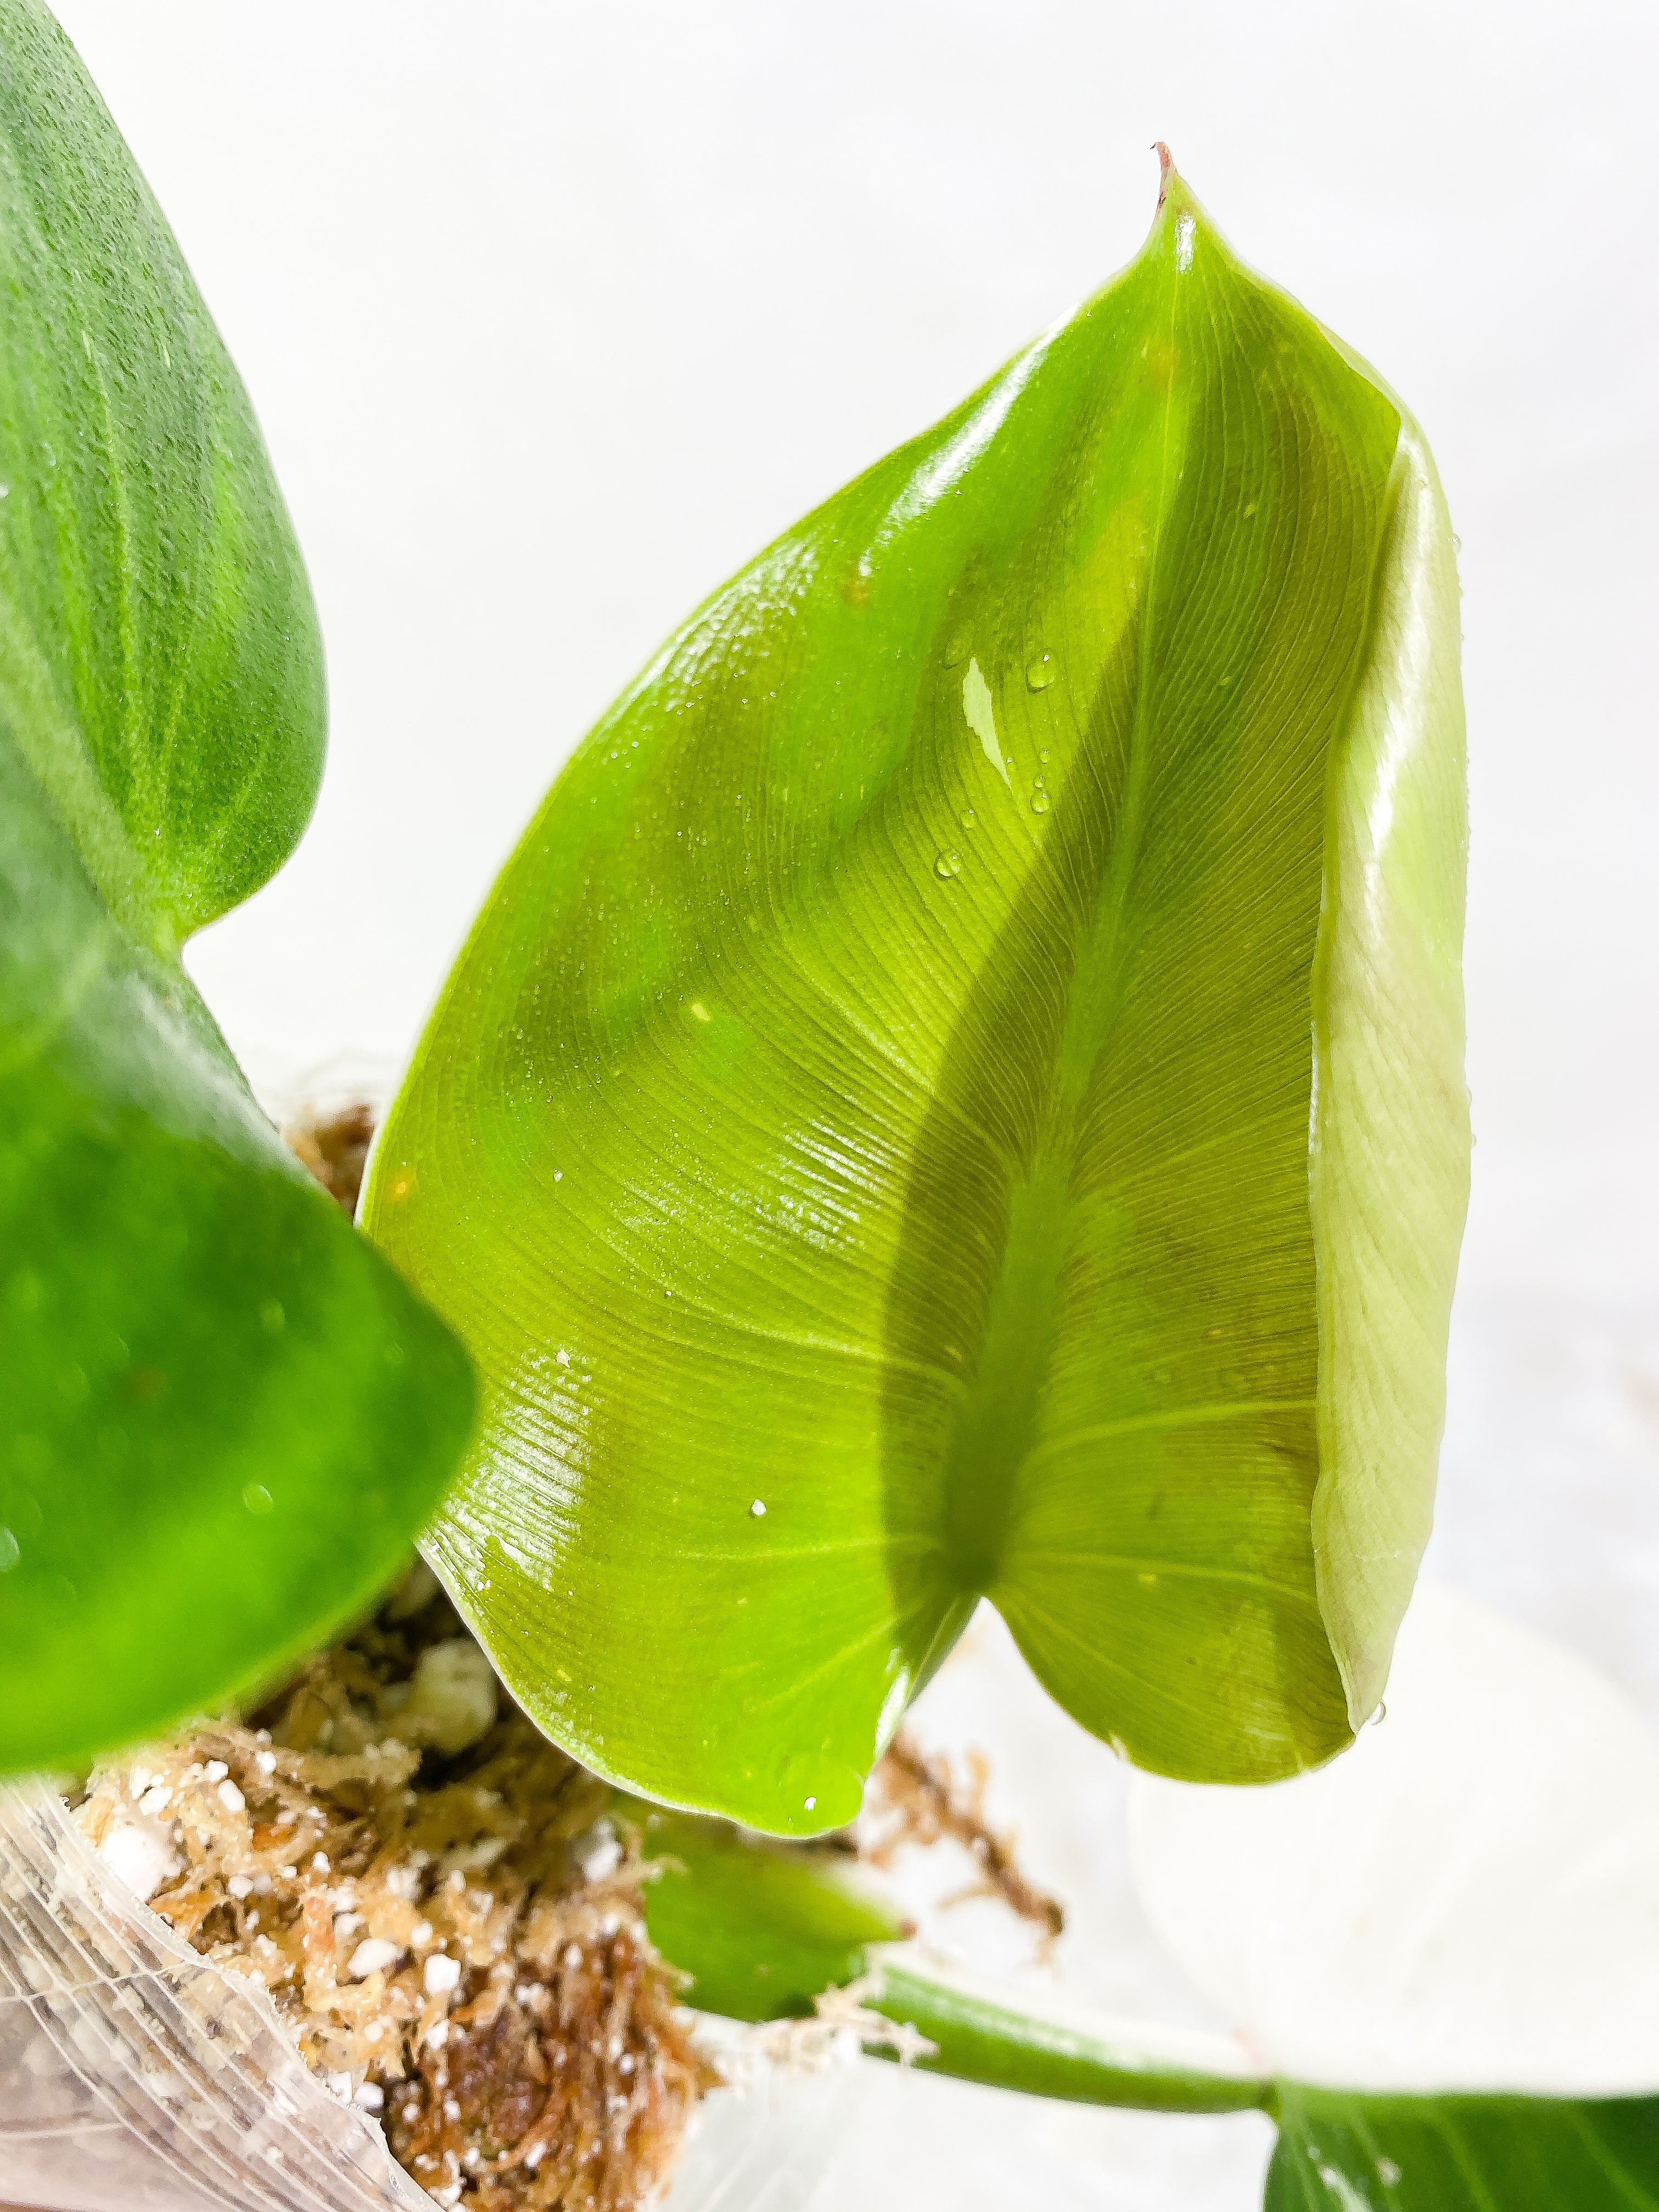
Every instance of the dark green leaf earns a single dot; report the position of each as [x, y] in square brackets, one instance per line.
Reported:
[1339, 2152]
[960, 1091]
[223, 1417]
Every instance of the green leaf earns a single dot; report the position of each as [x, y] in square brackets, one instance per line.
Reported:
[1343, 2152]
[960, 1091]
[224, 1417]
[760, 1932]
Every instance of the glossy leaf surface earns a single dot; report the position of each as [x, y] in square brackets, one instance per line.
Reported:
[223, 1417]
[872, 1146]
[1339, 2153]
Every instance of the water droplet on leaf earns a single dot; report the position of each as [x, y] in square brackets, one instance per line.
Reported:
[1042, 673]
[948, 864]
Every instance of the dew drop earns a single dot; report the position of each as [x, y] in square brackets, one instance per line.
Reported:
[9, 1552]
[256, 1499]
[948, 864]
[1039, 799]
[757, 1510]
[955, 650]
[1041, 673]
[969, 818]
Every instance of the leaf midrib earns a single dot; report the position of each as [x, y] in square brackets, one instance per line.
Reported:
[994, 1431]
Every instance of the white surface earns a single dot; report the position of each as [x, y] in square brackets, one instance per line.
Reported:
[554, 314]
[1469, 1899]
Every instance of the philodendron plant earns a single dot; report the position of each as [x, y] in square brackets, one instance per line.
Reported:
[957, 1096]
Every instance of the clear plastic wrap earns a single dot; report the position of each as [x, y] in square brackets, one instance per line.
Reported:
[136, 2077]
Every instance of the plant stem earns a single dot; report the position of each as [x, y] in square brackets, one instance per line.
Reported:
[980, 2036]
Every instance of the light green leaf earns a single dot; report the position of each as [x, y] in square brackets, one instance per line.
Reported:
[1341, 2152]
[760, 1932]
[960, 1091]
[223, 1416]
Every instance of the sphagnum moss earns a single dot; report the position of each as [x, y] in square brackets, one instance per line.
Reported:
[451, 1932]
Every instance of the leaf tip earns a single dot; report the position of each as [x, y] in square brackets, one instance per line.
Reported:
[1166, 168]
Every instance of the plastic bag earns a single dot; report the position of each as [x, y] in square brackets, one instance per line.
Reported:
[136, 2077]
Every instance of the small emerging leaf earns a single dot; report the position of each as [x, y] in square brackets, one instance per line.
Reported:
[760, 1932]
[960, 1091]
[222, 1417]
[763, 1932]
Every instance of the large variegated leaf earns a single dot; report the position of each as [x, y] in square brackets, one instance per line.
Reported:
[1454, 1932]
[959, 1090]
[221, 1418]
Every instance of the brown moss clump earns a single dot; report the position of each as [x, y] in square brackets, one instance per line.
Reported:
[440, 1911]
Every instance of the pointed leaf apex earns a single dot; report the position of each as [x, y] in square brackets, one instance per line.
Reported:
[1175, 195]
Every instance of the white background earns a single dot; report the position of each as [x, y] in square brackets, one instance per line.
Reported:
[554, 314]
